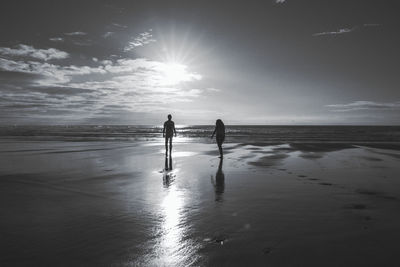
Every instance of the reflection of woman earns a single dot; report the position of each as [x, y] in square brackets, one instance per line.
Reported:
[219, 182]
[220, 135]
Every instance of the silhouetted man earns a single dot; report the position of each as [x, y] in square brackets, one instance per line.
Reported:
[168, 132]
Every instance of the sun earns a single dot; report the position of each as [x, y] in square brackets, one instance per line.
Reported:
[175, 73]
[176, 51]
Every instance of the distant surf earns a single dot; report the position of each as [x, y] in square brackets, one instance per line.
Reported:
[235, 134]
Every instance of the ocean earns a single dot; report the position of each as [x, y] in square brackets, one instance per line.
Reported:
[234, 133]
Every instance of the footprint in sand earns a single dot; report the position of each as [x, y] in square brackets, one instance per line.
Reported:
[369, 193]
[376, 194]
[358, 206]
[267, 250]
[328, 184]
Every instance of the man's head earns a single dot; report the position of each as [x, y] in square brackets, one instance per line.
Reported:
[169, 117]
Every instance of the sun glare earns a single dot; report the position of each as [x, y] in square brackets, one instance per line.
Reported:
[175, 73]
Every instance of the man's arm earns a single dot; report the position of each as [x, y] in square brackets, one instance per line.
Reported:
[174, 129]
[163, 131]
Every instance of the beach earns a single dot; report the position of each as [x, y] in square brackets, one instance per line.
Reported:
[124, 204]
[199, 133]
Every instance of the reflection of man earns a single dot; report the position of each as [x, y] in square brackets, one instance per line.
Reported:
[168, 132]
[168, 164]
[168, 176]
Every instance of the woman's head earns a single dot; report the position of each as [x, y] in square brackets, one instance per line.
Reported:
[219, 123]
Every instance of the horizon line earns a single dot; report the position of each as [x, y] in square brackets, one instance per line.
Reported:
[191, 125]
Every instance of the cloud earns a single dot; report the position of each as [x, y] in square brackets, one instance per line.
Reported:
[30, 52]
[124, 85]
[82, 42]
[340, 31]
[75, 33]
[143, 39]
[347, 30]
[77, 38]
[108, 34]
[280, 1]
[372, 25]
[213, 90]
[51, 74]
[119, 25]
[364, 105]
[57, 39]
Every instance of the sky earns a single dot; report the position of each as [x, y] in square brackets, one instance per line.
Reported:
[246, 62]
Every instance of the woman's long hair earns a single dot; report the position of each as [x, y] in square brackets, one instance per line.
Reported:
[220, 124]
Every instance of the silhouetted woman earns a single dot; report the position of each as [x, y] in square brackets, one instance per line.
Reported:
[220, 137]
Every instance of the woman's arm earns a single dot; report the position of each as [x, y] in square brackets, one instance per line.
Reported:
[214, 132]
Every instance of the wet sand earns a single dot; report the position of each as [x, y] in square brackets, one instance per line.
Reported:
[114, 204]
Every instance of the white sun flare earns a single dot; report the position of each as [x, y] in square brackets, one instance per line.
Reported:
[175, 73]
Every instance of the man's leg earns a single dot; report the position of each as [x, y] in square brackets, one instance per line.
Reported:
[166, 146]
[170, 145]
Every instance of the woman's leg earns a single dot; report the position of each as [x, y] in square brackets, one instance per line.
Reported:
[219, 142]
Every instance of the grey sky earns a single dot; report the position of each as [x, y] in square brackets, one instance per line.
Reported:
[255, 62]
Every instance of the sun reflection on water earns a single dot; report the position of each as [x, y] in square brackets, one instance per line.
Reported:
[172, 227]
[172, 245]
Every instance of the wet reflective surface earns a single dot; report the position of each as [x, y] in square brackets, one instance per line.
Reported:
[171, 245]
[126, 204]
